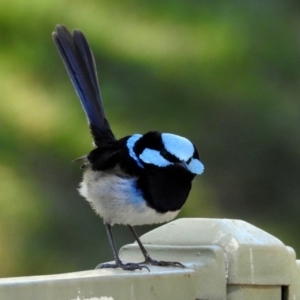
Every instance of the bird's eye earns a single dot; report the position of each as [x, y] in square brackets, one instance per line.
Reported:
[168, 156]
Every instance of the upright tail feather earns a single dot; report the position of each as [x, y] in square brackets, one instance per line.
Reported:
[80, 64]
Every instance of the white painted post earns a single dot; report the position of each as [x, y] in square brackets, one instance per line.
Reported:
[224, 259]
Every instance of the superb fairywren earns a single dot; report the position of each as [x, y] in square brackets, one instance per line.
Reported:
[135, 180]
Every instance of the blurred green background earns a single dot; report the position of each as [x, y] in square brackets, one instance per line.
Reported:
[225, 74]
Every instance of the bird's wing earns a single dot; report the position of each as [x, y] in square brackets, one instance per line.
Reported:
[80, 64]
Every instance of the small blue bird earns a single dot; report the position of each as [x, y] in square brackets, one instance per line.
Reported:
[136, 180]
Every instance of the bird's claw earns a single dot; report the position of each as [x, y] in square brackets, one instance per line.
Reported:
[126, 267]
[162, 263]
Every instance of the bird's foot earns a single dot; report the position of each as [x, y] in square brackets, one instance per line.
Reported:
[162, 263]
[126, 267]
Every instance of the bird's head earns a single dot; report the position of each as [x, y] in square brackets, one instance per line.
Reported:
[163, 150]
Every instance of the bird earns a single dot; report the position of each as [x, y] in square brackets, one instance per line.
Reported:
[139, 179]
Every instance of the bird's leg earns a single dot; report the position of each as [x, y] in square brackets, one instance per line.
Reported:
[118, 263]
[148, 259]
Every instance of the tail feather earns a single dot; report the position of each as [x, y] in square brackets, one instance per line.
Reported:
[80, 64]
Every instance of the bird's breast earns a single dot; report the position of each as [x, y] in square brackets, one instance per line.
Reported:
[118, 199]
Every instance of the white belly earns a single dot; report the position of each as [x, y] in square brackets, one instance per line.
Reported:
[118, 201]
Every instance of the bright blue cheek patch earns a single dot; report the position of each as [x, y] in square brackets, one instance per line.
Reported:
[177, 145]
[195, 166]
[150, 156]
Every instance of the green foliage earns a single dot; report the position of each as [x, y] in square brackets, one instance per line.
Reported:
[223, 73]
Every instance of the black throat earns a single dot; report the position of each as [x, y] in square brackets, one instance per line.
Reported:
[166, 189]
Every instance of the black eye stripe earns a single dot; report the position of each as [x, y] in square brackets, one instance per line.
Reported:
[196, 154]
[168, 156]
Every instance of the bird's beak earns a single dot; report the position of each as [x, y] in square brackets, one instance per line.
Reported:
[182, 164]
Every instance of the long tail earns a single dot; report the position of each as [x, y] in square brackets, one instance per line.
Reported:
[80, 64]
